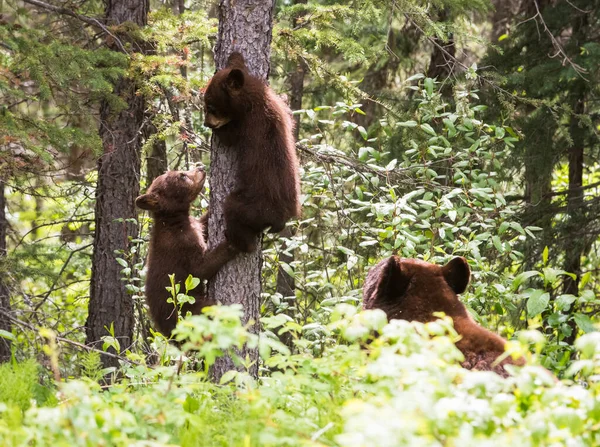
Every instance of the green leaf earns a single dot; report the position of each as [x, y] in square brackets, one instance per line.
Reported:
[522, 277]
[545, 255]
[363, 132]
[391, 165]
[363, 153]
[584, 323]
[429, 86]
[415, 77]
[563, 302]
[409, 123]
[7, 335]
[228, 376]
[191, 283]
[497, 243]
[122, 262]
[537, 303]
[428, 129]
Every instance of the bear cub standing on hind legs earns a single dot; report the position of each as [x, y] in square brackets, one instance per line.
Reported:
[177, 245]
[244, 112]
[410, 289]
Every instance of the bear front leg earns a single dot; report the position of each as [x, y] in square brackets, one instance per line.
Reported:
[206, 265]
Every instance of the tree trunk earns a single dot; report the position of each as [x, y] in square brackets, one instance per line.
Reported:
[118, 186]
[441, 65]
[156, 161]
[285, 283]
[576, 244]
[245, 26]
[575, 239]
[4, 293]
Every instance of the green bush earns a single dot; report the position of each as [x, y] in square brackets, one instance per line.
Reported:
[405, 387]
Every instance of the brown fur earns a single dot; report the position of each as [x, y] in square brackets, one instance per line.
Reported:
[413, 290]
[177, 245]
[244, 112]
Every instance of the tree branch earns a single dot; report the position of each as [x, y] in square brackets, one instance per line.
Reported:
[67, 12]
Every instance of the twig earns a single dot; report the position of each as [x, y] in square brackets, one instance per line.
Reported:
[66, 340]
[556, 44]
[89, 20]
[59, 275]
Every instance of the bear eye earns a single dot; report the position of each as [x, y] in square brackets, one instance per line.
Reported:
[210, 109]
[183, 176]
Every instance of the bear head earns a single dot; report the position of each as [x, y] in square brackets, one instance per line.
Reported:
[172, 192]
[410, 289]
[226, 98]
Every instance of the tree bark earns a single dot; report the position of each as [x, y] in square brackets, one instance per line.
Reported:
[118, 186]
[4, 292]
[245, 26]
[441, 65]
[156, 161]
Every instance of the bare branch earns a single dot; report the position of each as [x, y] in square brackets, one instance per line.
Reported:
[557, 46]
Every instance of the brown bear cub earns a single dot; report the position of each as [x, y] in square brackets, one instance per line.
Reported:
[244, 112]
[177, 245]
[410, 289]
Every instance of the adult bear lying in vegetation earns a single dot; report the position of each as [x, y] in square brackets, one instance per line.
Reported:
[178, 245]
[410, 289]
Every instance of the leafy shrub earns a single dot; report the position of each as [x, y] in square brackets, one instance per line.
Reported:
[405, 387]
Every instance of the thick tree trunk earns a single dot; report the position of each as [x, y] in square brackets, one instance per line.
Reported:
[4, 293]
[245, 26]
[118, 186]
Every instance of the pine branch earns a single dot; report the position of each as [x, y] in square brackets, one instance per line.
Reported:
[89, 20]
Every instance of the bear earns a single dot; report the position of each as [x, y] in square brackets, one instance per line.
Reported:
[244, 113]
[410, 289]
[178, 245]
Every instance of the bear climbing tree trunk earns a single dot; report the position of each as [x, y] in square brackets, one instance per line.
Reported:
[5, 324]
[245, 26]
[118, 186]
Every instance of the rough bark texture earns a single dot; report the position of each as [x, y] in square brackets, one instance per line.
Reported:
[245, 26]
[156, 161]
[118, 186]
[4, 293]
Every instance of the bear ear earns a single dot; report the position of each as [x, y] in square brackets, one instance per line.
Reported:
[236, 60]
[457, 274]
[147, 202]
[386, 281]
[234, 81]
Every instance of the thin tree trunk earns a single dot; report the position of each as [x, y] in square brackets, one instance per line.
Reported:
[156, 161]
[118, 186]
[575, 245]
[441, 65]
[245, 26]
[285, 283]
[4, 292]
